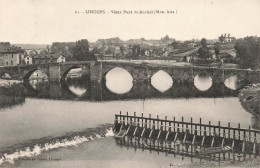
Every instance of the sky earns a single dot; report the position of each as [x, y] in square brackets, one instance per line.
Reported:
[47, 21]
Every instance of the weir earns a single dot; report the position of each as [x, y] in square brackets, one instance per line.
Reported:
[204, 138]
[185, 152]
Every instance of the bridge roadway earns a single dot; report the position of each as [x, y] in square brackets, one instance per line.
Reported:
[140, 71]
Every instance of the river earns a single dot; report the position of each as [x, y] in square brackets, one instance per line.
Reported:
[56, 114]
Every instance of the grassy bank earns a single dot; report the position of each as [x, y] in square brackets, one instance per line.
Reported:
[250, 99]
[11, 93]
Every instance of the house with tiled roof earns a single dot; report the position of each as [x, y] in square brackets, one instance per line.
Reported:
[185, 56]
[49, 58]
[11, 56]
[227, 54]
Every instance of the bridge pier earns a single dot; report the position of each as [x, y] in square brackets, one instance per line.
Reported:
[54, 72]
[96, 72]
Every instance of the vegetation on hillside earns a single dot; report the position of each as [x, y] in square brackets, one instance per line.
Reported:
[81, 51]
[248, 52]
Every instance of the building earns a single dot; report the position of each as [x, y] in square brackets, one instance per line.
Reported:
[29, 54]
[185, 56]
[11, 56]
[49, 58]
[226, 38]
[28, 59]
[228, 54]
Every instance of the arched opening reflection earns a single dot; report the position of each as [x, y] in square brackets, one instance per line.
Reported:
[119, 81]
[232, 82]
[161, 81]
[37, 78]
[203, 82]
[76, 81]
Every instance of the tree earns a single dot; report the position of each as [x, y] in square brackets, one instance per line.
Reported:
[221, 38]
[122, 50]
[81, 51]
[203, 50]
[65, 48]
[217, 49]
[5, 45]
[203, 43]
[136, 50]
[95, 50]
[165, 39]
[248, 52]
[175, 44]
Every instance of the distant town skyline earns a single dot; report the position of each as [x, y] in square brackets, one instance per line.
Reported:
[44, 22]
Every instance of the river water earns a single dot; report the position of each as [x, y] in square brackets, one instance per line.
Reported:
[47, 128]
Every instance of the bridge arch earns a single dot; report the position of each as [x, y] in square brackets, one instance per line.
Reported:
[26, 52]
[203, 81]
[76, 87]
[64, 73]
[118, 80]
[234, 81]
[28, 74]
[154, 71]
[161, 81]
[107, 69]
[43, 51]
[33, 52]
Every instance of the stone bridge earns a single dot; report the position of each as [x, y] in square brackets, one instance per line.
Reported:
[35, 51]
[96, 71]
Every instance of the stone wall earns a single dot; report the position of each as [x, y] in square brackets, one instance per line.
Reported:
[140, 72]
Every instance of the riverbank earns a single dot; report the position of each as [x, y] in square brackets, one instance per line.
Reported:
[250, 101]
[250, 98]
[6, 83]
[11, 93]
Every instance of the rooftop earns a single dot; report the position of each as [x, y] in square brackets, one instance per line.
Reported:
[49, 55]
[230, 52]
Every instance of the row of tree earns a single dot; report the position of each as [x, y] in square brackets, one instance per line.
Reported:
[78, 51]
[81, 51]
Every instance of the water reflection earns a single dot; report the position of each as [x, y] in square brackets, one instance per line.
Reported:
[161, 81]
[36, 78]
[202, 82]
[77, 86]
[98, 92]
[38, 75]
[232, 82]
[119, 81]
[77, 90]
[181, 152]
[80, 90]
[74, 73]
[76, 82]
[35, 83]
